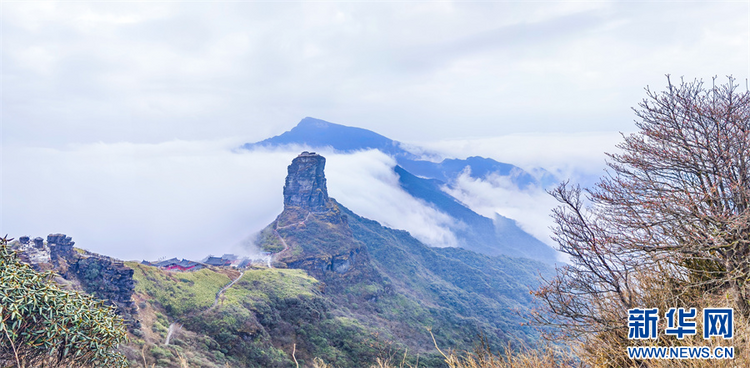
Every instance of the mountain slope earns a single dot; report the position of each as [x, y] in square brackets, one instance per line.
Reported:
[345, 289]
[390, 282]
[475, 232]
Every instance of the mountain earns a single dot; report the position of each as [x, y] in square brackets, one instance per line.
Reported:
[424, 179]
[389, 281]
[320, 133]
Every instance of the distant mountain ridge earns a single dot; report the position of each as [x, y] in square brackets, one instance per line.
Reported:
[476, 232]
[423, 180]
[320, 133]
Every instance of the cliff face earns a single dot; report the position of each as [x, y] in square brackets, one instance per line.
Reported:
[305, 185]
[109, 280]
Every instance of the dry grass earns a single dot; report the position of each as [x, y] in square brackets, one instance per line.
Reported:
[526, 358]
[609, 349]
[599, 350]
[482, 357]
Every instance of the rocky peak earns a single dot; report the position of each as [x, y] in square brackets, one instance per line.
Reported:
[305, 185]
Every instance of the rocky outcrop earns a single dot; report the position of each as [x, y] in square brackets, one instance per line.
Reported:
[312, 233]
[103, 277]
[61, 250]
[110, 280]
[305, 185]
[320, 267]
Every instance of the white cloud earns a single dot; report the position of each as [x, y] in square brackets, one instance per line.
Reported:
[578, 157]
[186, 199]
[496, 194]
[85, 72]
[366, 183]
[175, 79]
[143, 200]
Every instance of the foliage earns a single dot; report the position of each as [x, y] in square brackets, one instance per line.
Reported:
[457, 293]
[270, 241]
[181, 293]
[399, 288]
[42, 325]
[312, 233]
[669, 226]
[389, 292]
[482, 357]
[256, 323]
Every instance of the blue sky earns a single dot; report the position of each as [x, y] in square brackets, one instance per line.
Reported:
[116, 116]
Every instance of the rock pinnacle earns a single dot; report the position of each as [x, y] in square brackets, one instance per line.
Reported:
[305, 185]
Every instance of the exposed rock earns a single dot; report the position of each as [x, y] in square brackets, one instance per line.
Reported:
[110, 280]
[104, 277]
[320, 266]
[61, 248]
[33, 254]
[312, 233]
[306, 183]
[60, 239]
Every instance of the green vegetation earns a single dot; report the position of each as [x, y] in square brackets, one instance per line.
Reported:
[354, 291]
[262, 284]
[319, 234]
[458, 294]
[44, 326]
[270, 241]
[180, 293]
[393, 285]
[257, 322]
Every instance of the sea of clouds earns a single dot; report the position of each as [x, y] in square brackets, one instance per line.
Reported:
[194, 198]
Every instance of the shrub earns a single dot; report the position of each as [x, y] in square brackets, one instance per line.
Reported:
[44, 326]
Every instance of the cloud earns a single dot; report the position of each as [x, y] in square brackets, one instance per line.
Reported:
[83, 72]
[186, 198]
[175, 79]
[366, 183]
[134, 201]
[530, 207]
[578, 157]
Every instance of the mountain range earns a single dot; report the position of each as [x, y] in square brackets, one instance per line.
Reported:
[341, 288]
[425, 180]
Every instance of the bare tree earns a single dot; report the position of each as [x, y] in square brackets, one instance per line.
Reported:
[672, 210]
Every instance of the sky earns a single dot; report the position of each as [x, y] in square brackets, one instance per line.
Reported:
[119, 119]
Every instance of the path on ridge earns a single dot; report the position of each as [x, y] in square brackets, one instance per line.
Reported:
[218, 295]
[175, 326]
[283, 242]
